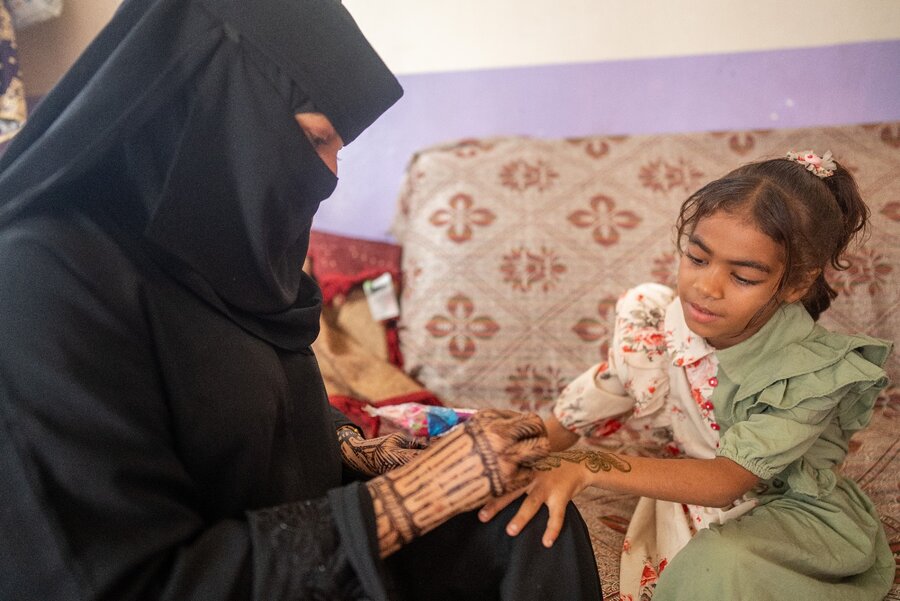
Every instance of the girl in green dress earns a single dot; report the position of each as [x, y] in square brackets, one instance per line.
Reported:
[756, 400]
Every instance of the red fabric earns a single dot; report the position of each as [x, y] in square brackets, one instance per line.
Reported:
[340, 258]
[355, 412]
[340, 263]
[354, 409]
[338, 284]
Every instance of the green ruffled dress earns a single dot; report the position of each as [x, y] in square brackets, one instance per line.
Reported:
[789, 399]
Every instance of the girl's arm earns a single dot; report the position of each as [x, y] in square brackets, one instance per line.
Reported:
[559, 436]
[708, 482]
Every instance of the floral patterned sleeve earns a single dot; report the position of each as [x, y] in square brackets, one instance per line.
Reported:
[594, 403]
[633, 380]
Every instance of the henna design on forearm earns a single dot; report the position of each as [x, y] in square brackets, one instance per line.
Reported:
[488, 456]
[393, 521]
[413, 500]
[593, 461]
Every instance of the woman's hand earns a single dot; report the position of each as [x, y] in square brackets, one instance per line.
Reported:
[491, 454]
[376, 456]
[560, 477]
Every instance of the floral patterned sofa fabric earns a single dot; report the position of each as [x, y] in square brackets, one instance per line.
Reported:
[13, 108]
[516, 249]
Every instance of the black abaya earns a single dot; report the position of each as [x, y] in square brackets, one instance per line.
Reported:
[139, 426]
[164, 430]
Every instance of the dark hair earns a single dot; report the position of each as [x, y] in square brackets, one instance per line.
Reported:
[814, 219]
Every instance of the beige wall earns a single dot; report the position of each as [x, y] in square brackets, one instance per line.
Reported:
[416, 36]
[48, 49]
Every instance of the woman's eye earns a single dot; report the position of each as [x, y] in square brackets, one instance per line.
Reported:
[317, 139]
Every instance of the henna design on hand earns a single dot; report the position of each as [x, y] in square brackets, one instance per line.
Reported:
[377, 455]
[494, 456]
[593, 460]
[490, 455]
[345, 433]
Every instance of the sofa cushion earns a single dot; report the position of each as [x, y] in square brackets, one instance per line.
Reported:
[515, 249]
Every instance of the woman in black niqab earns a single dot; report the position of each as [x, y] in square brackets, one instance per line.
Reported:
[208, 115]
[164, 429]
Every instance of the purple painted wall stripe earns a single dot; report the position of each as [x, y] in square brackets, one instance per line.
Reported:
[835, 85]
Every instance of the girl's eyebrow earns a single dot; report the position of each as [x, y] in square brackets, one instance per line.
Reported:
[695, 239]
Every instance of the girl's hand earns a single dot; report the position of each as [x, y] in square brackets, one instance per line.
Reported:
[560, 477]
[376, 456]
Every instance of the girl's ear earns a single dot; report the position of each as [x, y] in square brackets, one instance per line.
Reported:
[799, 290]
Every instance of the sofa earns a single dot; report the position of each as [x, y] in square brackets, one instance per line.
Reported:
[514, 250]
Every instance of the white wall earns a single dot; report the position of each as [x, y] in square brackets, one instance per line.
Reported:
[420, 36]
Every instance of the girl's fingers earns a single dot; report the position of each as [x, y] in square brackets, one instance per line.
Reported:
[495, 506]
[554, 524]
[530, 507]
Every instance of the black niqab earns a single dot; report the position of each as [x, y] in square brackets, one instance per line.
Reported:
[196, 138]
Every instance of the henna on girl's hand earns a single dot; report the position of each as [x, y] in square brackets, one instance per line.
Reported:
[490, 455]
[592, 460]
[377, 455]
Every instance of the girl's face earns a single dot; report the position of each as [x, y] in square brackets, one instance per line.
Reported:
[321, 134]
[729, 271]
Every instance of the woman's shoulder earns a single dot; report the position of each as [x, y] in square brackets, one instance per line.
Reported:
[63, 255]
[54, 230]
[68, 234]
